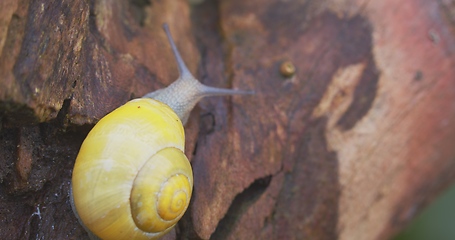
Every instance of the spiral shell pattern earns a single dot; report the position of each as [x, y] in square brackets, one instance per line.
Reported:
[131, 179]
[159, 200]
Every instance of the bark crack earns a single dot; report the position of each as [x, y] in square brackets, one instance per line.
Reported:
[241, 203]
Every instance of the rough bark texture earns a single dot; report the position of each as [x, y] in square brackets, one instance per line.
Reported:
[350, 147]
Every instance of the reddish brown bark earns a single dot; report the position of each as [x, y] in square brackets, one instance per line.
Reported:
[350, 147]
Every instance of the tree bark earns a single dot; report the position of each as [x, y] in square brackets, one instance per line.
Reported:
[351, 146]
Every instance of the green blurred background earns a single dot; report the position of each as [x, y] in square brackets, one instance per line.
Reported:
[436, 222]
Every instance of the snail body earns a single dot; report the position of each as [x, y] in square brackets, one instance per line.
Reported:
[131, 178]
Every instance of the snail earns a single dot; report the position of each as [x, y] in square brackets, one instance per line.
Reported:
[131, 178]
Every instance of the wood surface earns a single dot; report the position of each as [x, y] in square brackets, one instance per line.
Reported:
[351, 146]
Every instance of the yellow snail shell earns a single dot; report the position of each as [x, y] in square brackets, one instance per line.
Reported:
[140, 184]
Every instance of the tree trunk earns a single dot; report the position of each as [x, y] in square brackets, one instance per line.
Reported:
[350, 146]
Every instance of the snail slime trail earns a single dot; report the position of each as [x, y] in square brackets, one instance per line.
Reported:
[121, 187]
